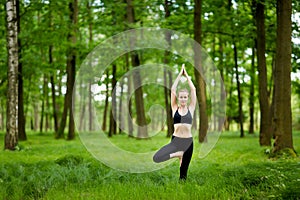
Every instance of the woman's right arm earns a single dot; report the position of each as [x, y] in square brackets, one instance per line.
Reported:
[173, 91]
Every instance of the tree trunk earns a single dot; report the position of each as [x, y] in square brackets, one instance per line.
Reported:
[282, 103]
[106, 104]
[35, 116]
[82, 106]
[139, 101]
[11, 136]
[21, 117]
[129, 84]
[241, 120]
[53, 95]
[73, 6]
[113, 109]
[90, 19]
[201, 85]
[138, 94]
[265, 119]
[251, 95]
[42, 115]
[71, 70]
[120, 114]
[43, 103]
[91, 121]
[168, 76]
[223, 94]
[47, 125]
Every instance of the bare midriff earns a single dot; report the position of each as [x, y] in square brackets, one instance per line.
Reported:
[182, 130]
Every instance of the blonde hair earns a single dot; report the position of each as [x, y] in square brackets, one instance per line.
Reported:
[183, 90]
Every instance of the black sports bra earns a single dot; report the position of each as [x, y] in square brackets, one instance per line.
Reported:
[187, 119]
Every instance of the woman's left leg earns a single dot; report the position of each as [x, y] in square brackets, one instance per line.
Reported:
[186, 159]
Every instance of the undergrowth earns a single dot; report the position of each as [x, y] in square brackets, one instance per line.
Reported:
[46, 168]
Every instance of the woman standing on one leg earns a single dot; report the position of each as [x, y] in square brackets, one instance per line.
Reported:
[181, 145]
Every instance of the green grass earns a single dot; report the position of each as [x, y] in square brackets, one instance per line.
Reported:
[237, 168]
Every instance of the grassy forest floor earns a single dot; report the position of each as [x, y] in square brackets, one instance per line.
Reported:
[237, 168]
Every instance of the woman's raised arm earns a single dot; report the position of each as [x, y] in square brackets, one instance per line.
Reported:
[173, 90]
[192, 89]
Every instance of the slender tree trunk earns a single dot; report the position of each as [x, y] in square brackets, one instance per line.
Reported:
[21, 117]
[272, 110]
[120, 114]
[43, 103]
[168, 75]
[251, 95]
[282, 104]
[139, 101]
[60, 133]
[82, 106]
[106, 104]
[222, 94]
[53, 95]
[73, 6]
[170, 126]
[138, 94]
[112, 121]
[239, 91]
[11, 136]
[129, 84]
[230, 104]
[265, 119]
[36, 116]
[47, 125]
[42, 115]
[50, 50]
[71, 70]
[201, 85]
[91, 121]
[90, 19]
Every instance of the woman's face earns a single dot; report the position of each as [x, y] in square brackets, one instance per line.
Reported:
[183, 98]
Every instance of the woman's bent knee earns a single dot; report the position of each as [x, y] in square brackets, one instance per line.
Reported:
[156, 158]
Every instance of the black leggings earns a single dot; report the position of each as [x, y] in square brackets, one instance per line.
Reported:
[177, 144]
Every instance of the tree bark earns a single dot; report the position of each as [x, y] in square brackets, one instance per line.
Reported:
[201, 85]
[265, 119]
[45, 94]
[21, 116]
[106, 104]
[168, 75]
[241, 120]
[47, 125]
[129, 84]
[71, 70]
[222, 94]
[82, 121]
[120, 109]
[11, 136]
[139, 101]
[138, 93]
[251, 95]
[113, 109]
[282, 102]
[91, 121]
[90, 19]
[53, 94]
